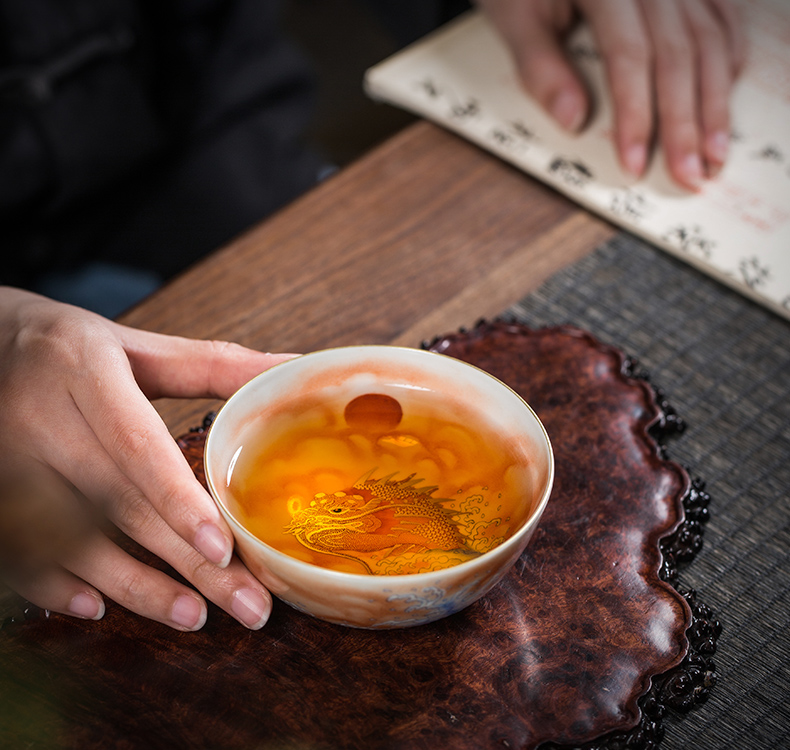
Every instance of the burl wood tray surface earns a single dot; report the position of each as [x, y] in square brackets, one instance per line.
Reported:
[586, 641]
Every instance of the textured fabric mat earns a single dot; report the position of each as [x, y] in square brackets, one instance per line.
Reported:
[724, 364]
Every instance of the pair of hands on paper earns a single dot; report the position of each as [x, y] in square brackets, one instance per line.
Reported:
[671, 65]
[77, 423]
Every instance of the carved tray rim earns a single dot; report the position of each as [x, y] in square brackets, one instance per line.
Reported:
[688, 684]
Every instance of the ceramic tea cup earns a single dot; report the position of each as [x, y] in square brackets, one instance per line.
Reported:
[379, 487]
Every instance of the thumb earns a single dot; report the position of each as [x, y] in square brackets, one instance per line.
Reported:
[187, 368]
[534, 40]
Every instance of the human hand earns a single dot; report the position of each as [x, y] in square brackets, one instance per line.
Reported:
[77, 423]
[671, 66]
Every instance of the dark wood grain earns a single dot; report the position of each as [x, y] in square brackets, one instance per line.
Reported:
[559, 651]
[426, 234]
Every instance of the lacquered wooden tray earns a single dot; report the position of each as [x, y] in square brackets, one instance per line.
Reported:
[587, 640]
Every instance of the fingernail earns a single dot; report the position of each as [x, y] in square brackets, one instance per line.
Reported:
[568, 110]
[189, 612]
[87, 606]
[213, 544]
[634, 159]
[250, 607]
[717, 146]
[690, 171]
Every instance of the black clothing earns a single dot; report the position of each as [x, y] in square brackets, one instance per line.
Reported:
[144, 132]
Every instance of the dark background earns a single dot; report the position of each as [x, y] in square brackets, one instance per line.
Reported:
[343, 38]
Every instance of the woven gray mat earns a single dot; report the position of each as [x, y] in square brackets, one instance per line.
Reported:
[724, 364]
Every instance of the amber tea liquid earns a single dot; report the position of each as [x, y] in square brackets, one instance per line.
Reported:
[373, 487]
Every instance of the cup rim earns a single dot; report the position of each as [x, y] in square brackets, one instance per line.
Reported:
[375, 580]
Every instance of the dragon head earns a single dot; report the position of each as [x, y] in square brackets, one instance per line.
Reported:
[338, 510]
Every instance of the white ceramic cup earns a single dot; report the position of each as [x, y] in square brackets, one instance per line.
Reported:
[337, 376]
